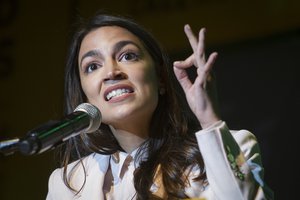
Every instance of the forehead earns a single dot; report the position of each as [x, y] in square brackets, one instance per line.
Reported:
[107, 34]
[104, 38]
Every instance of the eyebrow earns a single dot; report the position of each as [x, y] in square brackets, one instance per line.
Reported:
[117, 47]
[92, 53]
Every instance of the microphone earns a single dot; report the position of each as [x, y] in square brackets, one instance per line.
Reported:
[85, 118]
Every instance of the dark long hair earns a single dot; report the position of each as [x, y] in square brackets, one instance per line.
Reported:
[171, 145]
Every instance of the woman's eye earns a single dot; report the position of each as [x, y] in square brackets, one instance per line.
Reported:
[129, 57]
[90, 68]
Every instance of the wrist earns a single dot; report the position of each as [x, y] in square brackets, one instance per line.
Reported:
[207, 121]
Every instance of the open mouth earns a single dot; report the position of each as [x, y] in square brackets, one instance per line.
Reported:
[117, 92]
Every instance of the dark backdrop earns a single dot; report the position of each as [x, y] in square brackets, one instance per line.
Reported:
[257, 74]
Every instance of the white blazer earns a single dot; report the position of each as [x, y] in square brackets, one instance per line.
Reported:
[232, 160]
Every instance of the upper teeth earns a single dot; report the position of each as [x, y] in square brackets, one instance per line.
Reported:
[116, 93]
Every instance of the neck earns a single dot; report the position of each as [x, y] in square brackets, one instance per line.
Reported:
[129, 141]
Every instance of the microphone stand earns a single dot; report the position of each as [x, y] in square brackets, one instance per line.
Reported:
[85, 117]
[24, 145]
[8, 147]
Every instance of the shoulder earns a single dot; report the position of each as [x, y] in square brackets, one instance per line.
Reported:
[247, 141]
[76, 173]
[243, 136]
[87, 162]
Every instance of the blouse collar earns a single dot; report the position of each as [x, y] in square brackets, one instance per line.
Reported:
[120, 161]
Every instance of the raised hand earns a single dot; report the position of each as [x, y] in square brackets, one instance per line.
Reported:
[200, 94]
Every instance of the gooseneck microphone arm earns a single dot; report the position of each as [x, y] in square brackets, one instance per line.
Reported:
[47, 136]
[85, 118]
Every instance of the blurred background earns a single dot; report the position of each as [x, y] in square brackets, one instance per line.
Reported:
[257, 71]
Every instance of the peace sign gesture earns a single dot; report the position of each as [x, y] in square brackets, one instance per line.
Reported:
[200, 93]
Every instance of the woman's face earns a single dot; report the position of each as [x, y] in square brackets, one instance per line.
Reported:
[118, 76]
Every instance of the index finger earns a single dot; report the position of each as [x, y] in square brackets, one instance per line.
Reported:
[191, 37]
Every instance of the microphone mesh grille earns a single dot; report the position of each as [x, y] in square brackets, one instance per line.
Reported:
[94, 114]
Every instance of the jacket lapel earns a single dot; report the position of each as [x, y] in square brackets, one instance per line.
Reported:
[95, 173]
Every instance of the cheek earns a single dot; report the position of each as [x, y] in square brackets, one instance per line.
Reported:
[90, 88]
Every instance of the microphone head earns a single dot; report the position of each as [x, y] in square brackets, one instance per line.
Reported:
[94, 114]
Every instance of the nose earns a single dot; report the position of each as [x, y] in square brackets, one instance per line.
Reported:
[114, 73]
